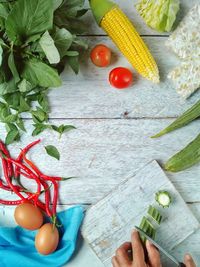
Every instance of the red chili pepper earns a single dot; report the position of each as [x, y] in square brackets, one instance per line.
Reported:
[23, 152]
[4, 163]
[6, 152]
[29, 172]
[55, 184]
[7, 188]
[44, 184]
[17, 202]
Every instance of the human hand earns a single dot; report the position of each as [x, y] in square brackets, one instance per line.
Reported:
[189, 262]
[121, 258]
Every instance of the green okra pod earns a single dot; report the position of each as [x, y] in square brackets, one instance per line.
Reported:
[186, 158]
[187, 117]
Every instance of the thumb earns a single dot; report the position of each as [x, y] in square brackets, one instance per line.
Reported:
[189, 262]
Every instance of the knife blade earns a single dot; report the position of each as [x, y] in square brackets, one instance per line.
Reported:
[173, 259]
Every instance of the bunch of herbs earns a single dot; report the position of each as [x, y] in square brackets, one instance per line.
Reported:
[37, 39]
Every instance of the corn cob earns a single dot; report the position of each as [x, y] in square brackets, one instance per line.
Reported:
[115, 23]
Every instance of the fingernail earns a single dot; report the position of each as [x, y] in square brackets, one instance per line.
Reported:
[148, 243]
[188, 257]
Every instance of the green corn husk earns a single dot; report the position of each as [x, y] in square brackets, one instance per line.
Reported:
[148, 228]
[186, 158]
[154, 214]
[187, 117]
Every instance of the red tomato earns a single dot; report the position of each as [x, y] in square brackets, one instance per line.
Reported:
[121, 78]
[101, 55]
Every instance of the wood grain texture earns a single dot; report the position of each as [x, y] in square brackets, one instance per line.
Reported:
[102, 153]
[89, 94]
[129, 8]
[113, 218]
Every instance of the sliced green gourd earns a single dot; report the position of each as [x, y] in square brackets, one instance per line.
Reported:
[148, 228]
[163, 198]
[154, 214]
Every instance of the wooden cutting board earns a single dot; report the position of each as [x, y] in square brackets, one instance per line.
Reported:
[109, 222]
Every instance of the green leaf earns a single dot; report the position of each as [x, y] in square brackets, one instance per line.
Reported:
[52, 151]
[73, 62]
[43, 101]
[81, 43]
[8, 87]
[28, 18]
[3, 11]
[39, 73]
[1, 52]
[10, 118]
[23, 105]
[13, 100]
[25, 86]
[39, 115]
[56, 4]
[63, 128]
[13, 134]
[63, 40]
[12, 66]
[72, 53]
[4, 111]
[39, 128]
[20, 124]
[49, 48]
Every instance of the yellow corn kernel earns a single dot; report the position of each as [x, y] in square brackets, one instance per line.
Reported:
[125, 36]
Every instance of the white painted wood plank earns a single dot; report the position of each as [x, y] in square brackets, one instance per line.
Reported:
[129, 8]
[113, 218]
[89, 95]
[102, 153]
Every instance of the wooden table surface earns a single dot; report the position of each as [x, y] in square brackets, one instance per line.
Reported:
[112, 140]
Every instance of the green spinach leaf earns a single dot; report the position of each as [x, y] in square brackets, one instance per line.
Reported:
[28, 18]
[39, 73]
[49, 48]
[52, 151]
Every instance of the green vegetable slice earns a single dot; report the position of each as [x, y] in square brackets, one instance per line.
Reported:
[186, 158]
[187, 117]
[148, 228]
[155, 214]
[163, 198]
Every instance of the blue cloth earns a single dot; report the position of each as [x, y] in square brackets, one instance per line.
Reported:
[17, 244]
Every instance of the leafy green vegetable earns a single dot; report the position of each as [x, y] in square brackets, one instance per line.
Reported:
[39, 73]
[186, 158]
[52, 151]
[37, 38]
[49, 48]
[13, 134]
[159, 14]
[63, 40]
[28, 18]
[63, 128]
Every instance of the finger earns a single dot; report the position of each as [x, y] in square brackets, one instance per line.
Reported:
[122, 254]
[153, 255]
[189, 262]
[115, 262]
[137, 248]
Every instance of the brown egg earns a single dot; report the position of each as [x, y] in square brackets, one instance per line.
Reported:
[28, 216]
[47, 239]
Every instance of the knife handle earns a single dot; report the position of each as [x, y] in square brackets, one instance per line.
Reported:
[182, 264]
